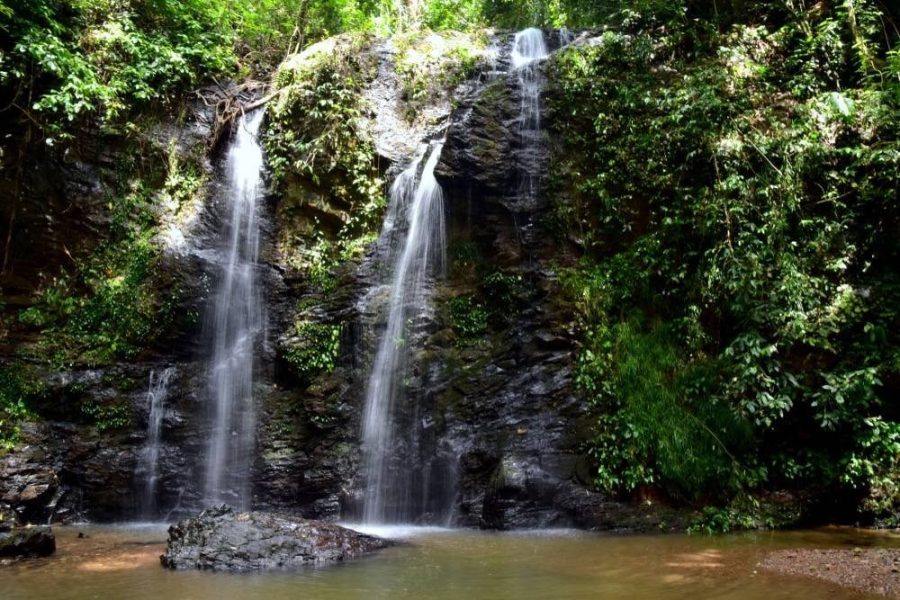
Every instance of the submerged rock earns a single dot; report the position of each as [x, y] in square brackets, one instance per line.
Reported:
[27, 541]
[220, 539]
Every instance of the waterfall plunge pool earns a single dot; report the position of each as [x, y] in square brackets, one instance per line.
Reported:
[439, 564]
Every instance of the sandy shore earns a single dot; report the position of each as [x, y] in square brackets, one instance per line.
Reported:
[874, 570]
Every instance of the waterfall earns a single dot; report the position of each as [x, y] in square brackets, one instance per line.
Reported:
[237, 322]
[417, 199]
[148, 467]
[528, 51]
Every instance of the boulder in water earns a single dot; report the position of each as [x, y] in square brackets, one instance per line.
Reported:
[27, 541]
[220, 539]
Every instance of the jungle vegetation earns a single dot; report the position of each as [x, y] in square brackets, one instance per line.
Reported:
[727, 169]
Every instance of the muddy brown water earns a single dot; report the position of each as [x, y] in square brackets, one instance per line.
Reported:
[123, 562]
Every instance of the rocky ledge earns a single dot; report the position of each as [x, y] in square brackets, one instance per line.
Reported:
[220, 539]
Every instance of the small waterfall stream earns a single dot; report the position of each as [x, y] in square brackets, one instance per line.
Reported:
[416, 202]
[529, 49]
[237, 321]
[400, 484]
[148, 467]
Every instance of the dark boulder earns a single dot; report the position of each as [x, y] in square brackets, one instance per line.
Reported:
[27, 541]
[220, 539]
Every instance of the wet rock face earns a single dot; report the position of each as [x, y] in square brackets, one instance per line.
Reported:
[70, 467]
[29, 487]
[27, 541]
[307, 448]
[82, 459]
[55, 197]
[480, 141]
[499, 423]
[505, 401]
[221, 540]
[502, 426]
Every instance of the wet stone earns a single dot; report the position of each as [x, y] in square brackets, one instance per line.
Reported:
[27, 541]
[220, 539]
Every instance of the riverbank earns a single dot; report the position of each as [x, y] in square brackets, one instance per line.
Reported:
[873, 570]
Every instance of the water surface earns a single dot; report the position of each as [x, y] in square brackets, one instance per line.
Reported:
[438, 564]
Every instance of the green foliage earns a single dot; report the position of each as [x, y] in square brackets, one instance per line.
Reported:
[120, 311]
[744, 512]
[311, 130]
[275, 27]
[656, 423]
[502, 292]
[517, 14]
[463, 254]
[316, 149]
[314, 348]
[429, 65]
[16, 388]
[73, 58]
[738, 184]
[459, 15]
[65, 62]
[112, 305]
[468, 317]
[107, 417]
[763, 393]
[108, 309]
[873, 467]
[504, 295]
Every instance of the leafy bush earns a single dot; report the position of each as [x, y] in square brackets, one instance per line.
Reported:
[735, 185]
[273, 28]
[316, 149]
[107, 417]
[73, 58]
[460, 15]
[873, 467]
[656, 423]
[16, 388]
[467, 317]
[314, 349]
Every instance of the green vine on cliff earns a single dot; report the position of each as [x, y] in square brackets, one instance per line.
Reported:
[318, 150]
[430, 65]
[313, 349]
[110, 306]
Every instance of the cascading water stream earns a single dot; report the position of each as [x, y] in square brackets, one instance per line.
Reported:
[148, 468]
[419, 199]
[528, 51]
[401, 485]
[237, 323]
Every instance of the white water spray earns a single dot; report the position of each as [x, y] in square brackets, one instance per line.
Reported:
[529, 50]
[237, 323]
[417, 198]
[148, 467]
